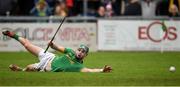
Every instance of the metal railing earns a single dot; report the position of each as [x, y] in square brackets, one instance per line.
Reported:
[4, 19]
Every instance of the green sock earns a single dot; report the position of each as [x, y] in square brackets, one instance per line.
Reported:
[16, 37]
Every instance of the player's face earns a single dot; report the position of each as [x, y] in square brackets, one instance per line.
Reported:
[80, 53]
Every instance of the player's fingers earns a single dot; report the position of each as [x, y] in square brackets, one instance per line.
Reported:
[107, 68]
[50, 43]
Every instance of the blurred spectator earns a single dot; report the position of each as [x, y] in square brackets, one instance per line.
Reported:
[78, 7]
[148, 8]
[100, 12]
[50, 3]
[61, 9]
[117, 6]
[164, 6]
[41, 9]
[7, 7]
[70, 6]
[173, 11]
[133, 8]
[109, 10]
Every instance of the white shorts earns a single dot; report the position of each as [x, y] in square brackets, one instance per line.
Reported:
[44, 58]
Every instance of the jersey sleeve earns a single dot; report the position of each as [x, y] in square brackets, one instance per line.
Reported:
[68, 50]
[74, 68]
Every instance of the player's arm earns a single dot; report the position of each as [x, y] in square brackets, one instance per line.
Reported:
[105, 69]
[57, 47]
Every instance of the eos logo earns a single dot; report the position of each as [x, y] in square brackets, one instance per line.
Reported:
[155, 33]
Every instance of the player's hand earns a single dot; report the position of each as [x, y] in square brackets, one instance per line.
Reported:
[107, 68]
[50, 43]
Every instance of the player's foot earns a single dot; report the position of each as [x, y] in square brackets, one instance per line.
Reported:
[14, 67]
[107, 68]
[8, 33]
[11, 34]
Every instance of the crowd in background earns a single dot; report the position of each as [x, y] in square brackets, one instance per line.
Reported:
[96, 8]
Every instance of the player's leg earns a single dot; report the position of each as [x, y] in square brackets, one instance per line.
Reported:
[26, 43]
[35, 50]
[31, 68]
[28, 68]
[29, 46]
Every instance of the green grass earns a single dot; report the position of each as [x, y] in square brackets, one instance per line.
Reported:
[129, 69]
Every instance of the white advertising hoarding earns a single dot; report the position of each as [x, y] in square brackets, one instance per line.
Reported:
[70, 35]
[138, 35]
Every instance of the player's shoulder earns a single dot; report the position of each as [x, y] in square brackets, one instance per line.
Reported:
[69, 50]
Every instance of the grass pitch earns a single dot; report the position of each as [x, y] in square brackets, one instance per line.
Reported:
[129, 69]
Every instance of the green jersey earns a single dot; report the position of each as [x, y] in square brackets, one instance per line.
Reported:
[67, 62]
